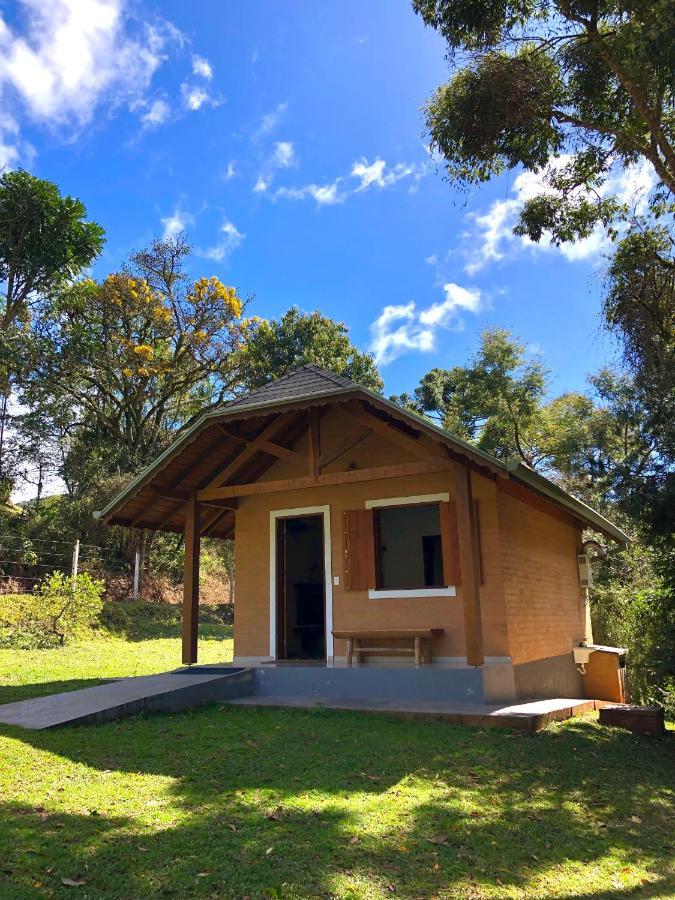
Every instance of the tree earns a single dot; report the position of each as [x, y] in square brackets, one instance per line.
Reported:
[592, 80]
[45, 240]
[130, 360]
[276, 347]
[493, 402]
[594, 85]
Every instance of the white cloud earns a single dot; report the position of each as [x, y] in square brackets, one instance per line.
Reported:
[202, 67]
[403, 328]
[229, 240]
[378, 174]
[431, 260]
[157, 113]
[490, 237]
[13, 150]
[231, 170]
[74, 54]
[195, 96]
[176, 222]
[366, 175]
[283, 157]
[324, 194]
[270, 121]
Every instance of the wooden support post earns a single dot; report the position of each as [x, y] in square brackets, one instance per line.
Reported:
[314, 444]
[469, 556]
[191, 581]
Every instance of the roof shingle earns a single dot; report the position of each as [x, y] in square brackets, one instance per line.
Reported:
[301, 382]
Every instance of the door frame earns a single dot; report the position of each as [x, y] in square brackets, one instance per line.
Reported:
[327, 571]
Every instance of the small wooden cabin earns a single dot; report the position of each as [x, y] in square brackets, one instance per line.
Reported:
[365, 534]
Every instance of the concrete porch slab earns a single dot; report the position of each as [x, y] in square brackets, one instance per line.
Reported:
[531, 716]
[167, 692]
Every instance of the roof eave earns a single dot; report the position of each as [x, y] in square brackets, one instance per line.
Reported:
[578, 507]
[214, 414]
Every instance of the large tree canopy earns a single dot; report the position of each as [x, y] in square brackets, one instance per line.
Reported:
[277, 346]
[131, 359]
[592, 79]
[44, 241]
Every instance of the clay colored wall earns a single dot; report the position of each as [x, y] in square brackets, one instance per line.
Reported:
[353, 609]
[541, 582]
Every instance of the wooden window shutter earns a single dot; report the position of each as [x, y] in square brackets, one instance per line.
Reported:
[358, 549]
[452, 572]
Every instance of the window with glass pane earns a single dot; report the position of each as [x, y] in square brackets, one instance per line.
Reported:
[408, 547]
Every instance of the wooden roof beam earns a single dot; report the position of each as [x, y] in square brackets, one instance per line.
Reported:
[424, 467]
[387, 430]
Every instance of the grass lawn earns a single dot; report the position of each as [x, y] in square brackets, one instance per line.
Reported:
[241, 802]
[142, 638]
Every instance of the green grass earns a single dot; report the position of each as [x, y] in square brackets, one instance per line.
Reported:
[138, 639]
[242, 802]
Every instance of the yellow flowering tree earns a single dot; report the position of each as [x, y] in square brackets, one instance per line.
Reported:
[134, 357]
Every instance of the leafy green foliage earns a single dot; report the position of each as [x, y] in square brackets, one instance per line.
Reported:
[59, 610]
[276, 347]
[495, 115]
[129, 361]
[493, 401]
[632, 607]
[44, 242]
[593, 81]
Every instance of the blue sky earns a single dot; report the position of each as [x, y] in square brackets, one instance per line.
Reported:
[287, 139]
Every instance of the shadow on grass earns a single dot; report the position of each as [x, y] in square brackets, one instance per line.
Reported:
[312, 803]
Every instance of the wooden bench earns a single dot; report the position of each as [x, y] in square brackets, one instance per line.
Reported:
[361, 642]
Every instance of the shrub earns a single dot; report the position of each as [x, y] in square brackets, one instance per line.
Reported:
[632, 607]
[59, 609]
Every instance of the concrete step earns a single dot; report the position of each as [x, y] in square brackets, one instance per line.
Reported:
[426, 684]
[530, 716]
[167, 692]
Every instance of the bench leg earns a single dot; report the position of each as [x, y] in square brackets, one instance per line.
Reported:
[418, 651]
[350, 651]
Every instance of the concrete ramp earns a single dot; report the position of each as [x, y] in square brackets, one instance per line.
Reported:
[168, 692]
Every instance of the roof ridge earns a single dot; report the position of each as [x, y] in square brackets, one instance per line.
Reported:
[332, 379]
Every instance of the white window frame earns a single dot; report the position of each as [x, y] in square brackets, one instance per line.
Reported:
[415, 500]
[327, 569]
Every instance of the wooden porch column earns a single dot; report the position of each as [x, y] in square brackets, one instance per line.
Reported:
[191, 580]
[469, 556]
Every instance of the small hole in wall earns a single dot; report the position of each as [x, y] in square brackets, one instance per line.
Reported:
[352, 465]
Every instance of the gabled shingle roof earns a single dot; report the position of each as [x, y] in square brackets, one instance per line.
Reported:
[309, 382]
[305, 381]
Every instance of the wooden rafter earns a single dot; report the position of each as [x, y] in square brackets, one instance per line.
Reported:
[270, 447]
[251, 448]
[391, 433]
[213, 520]
[346, 443]
[290, 484]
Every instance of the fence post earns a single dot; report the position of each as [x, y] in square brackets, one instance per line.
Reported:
[137, 573]
[76, 559]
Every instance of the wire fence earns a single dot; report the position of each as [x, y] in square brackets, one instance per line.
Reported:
[25, 562]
